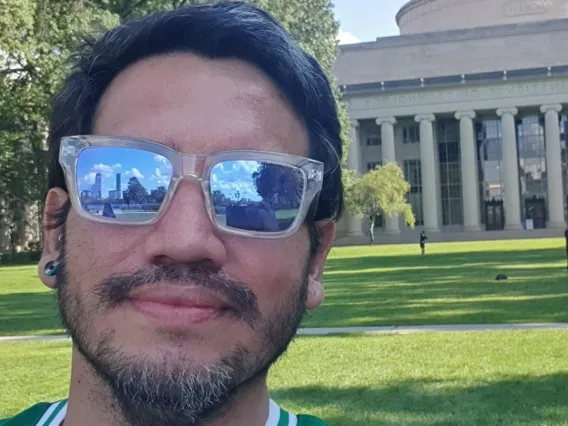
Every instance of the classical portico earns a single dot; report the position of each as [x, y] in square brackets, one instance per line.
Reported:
[475, 118]
[495, 125]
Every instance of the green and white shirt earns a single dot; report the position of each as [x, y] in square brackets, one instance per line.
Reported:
[46, 414]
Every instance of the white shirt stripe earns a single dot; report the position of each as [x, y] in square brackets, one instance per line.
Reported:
[46, 415]
[58, 419]
[292, 420]
[273, 415]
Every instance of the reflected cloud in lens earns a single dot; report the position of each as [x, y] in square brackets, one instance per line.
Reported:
[132, 182]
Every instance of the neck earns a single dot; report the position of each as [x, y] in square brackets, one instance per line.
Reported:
[90, 402]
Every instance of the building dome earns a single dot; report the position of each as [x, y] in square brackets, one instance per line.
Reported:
[421, 16]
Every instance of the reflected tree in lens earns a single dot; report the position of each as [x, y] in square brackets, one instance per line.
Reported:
[280, 186]
[157, 195]
[220, 199]
[136, 193]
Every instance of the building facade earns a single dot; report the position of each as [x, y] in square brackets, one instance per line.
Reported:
[476, 117]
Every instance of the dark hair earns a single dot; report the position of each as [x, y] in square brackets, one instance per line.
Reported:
[221, 30]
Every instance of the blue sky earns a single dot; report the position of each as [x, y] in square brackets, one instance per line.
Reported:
[153, 170]
[365, 20]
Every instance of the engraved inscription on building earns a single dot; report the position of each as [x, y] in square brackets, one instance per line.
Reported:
[459, 95]
[428, 7]
[527, 7]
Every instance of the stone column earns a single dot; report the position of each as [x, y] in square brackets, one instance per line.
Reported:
[388, 153]
[428, 165]
[511, 166]
[354, 225]
[554, 165]
[470, 185]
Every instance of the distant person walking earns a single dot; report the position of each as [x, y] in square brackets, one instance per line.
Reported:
[566, 237]
[424, 238]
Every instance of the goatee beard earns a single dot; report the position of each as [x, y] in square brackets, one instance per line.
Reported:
[170, 389]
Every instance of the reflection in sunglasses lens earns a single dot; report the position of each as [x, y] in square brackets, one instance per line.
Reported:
[122, 184]
[256, 196]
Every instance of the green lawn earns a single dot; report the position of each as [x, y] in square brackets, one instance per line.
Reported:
[483, 378]
[383, 285]
[26, 305]
[454, 284]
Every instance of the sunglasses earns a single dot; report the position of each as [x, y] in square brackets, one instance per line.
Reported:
[127, 181]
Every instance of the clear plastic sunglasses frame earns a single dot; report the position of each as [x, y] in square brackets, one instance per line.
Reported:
[190, 166]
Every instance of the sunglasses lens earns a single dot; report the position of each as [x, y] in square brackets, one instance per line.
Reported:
[122, 184]
[256, 196]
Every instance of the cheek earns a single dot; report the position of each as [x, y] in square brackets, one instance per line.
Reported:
[96, 250]
[272, 268]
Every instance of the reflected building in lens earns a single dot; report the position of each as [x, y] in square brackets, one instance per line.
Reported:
[471, 100]
[118, 191]
[97, 188]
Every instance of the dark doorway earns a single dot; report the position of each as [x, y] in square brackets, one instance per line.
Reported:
[535, 209]
[494, 215]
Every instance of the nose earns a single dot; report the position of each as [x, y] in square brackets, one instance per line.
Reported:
[185, 233]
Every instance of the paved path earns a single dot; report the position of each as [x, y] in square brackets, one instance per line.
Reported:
[429, 328]
[370, 330]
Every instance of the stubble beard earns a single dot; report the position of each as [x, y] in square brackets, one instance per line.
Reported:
[173, 390]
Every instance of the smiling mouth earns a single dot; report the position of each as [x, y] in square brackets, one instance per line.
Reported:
[178, 306]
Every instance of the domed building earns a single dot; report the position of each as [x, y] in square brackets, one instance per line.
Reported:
[471, 100]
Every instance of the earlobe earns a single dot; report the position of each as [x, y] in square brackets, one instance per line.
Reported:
[47, 270]
[315, 293]
[53, 237]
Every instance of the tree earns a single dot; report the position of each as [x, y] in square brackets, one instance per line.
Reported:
[157, 195]
[136, 193]
[380, 191]
[36, 39]
[220, 200]
[279, 186]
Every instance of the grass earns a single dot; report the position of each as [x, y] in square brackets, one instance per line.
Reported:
[382, 285]
[454, 284]
[26, 305]
[482, 378]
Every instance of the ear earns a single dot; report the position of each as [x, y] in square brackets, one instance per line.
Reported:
[326, 231]
[55, 200]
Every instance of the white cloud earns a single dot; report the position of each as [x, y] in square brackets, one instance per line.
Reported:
[345, 37]
[90, 178]
[163, 160]
[105, 169]
[247, 166]
[136, 173]
[162, 178]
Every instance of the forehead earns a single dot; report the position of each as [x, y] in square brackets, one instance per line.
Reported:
[200, 106]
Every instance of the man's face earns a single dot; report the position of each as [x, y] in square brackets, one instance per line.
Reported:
[253, 291]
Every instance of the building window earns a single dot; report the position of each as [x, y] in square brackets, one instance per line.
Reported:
[532, 169]
[450, 172]
[373, 165]
[489, 165]
[564, 148]
[370, 132]
[373, 140]
[490, 173]
[411, 134]
[413, 175]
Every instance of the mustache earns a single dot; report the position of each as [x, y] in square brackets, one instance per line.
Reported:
[114, 289]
